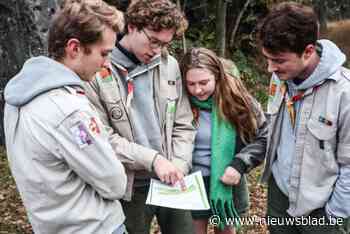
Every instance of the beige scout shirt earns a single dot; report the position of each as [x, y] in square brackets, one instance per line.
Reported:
[64, 167]
[175, 116]
[317, 170]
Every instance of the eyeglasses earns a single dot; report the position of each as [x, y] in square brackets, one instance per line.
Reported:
[155, 43]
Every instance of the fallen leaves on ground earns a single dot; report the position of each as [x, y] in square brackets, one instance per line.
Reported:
[13, 219]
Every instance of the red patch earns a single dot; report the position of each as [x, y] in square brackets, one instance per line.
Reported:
[81, 92]
[272, 90]
[93, 126]
[130, 86]
[104, 73]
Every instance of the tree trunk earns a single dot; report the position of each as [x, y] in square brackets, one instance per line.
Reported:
[321, 10]
[221, 27]
[183, 36]
[23, 29]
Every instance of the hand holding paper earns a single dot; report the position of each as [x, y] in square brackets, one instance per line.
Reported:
[193, 197]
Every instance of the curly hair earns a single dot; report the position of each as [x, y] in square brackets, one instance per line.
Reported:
[233, 100]
[289, 27]
[84, 20]
[156, 15]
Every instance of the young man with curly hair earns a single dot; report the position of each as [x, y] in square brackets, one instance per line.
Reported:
[141, 100]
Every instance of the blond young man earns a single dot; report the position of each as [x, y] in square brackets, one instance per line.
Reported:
[65, 169]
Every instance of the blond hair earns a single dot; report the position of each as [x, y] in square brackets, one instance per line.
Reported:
[84, 20]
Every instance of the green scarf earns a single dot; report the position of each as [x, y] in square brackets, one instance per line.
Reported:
[223, 144]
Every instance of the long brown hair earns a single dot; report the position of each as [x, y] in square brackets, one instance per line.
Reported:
[233, 100]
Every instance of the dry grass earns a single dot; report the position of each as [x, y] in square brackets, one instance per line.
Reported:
[13, 219]
[339, 32]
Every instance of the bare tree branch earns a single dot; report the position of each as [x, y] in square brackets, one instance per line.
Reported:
[238, 21]
[183, 36]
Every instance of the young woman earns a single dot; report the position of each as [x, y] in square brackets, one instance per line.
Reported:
[231, 135]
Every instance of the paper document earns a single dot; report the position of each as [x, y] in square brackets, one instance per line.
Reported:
[193, 197]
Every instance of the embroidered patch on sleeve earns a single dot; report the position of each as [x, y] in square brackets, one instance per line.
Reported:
[93, 126]
[81, 135]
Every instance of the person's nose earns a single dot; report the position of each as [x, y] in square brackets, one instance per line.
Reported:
[197, 89]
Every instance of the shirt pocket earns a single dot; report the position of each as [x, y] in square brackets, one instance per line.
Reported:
[116, 111]
[321, 142]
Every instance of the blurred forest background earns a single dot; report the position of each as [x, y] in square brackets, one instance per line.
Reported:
[226, 26]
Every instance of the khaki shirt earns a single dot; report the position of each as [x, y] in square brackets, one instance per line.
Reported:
[174, 113]
[63, 165]
[319, 174]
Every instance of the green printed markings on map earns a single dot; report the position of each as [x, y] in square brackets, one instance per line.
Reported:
[176, 191]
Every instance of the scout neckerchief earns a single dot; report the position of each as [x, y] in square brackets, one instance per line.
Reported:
[130, 84]
[290, 101]
[223, 144]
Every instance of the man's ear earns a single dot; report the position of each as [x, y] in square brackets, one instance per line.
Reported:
[131, 28]
[309, 51]
[73, 48]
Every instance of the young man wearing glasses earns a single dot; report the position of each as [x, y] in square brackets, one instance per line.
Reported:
[141, 100]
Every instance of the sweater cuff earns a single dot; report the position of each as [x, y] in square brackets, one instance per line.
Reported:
[239, 165]
[153, 161]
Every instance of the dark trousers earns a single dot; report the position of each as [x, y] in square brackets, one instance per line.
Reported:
[277, 206]
[139, 216]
